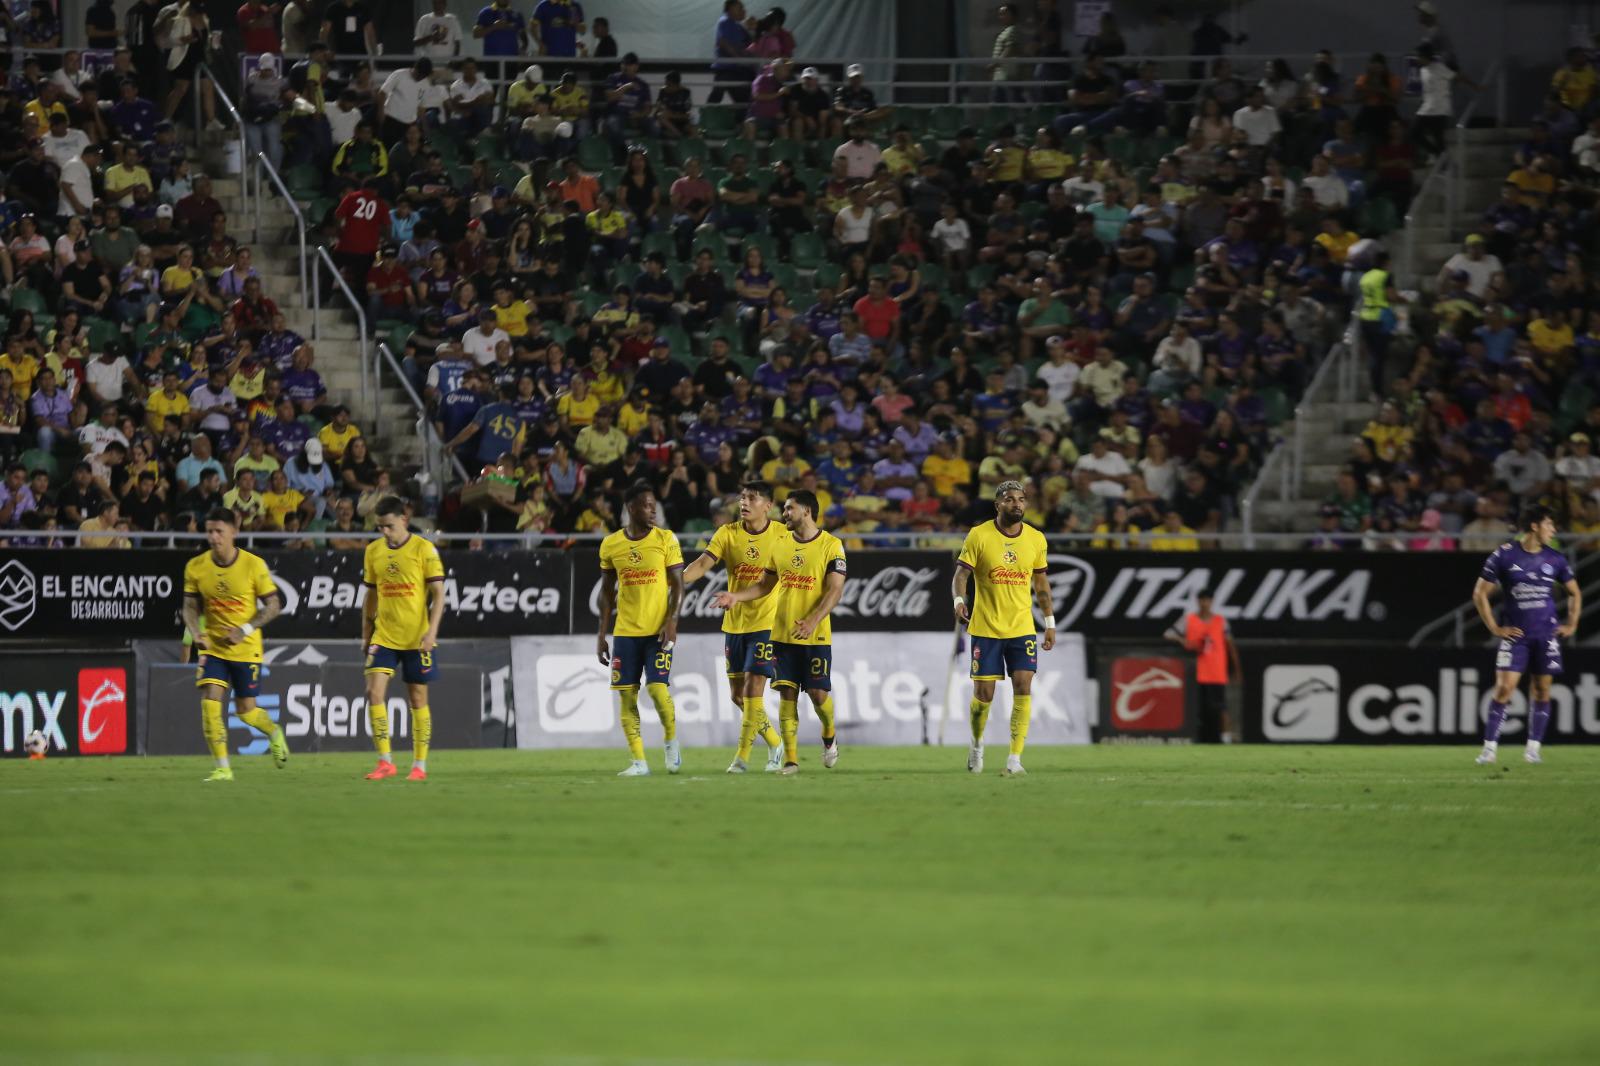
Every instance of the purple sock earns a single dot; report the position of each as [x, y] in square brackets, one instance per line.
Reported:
[1538, 719]
[1497, 718]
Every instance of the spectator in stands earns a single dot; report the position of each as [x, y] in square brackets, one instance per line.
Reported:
[853, 101]
[470, 105]
[556, 26]
[733, 39]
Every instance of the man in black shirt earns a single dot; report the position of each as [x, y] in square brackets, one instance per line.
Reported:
[347, 26]
[811, 109]
[84, 284]
[854, 102]
[653, 291]
[146, 61]
[36, 181]
[80, 497]
[957, 160]
[143, 507]
[713, 378]
[660, 373]
[1094, 92]
[705, 292]
[552, 290]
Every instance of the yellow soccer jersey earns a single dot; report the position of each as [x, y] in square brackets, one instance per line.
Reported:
[802, 567]
[641, 567]
[746, 555]
[228, 597]
[1002, 579]
[399, 577]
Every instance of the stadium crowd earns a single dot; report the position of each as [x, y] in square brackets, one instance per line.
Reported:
[1107, 285]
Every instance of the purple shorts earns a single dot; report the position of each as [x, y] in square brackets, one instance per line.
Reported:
[1540, 656]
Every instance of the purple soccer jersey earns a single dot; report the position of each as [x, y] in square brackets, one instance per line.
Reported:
[1529, 581]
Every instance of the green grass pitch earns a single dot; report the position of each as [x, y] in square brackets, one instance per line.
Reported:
[1117, 906]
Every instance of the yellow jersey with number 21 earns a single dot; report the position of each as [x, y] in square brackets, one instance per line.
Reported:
[399, 577]
[641, 567]
[803, 568]
[228, 596]
[1002, 579]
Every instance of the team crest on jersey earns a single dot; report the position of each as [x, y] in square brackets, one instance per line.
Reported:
[393, 569]
[798, 561]
[1546, 569]
[634, 556]
[752, 552]
[1010, 557]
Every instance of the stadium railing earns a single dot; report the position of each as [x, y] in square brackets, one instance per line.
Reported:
[263, 168]
[1449, 170]
[203, 71]
[322, 257]
[437, 460]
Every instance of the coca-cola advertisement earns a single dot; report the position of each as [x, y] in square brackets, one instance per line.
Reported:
[885, 590]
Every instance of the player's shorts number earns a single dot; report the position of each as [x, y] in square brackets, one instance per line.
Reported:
[763, 653]
[663, 660]
[427, 659]
[819, 667]
[1033, 647]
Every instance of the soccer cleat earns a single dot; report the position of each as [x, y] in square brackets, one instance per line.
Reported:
[737, 767]
[280, 749]
[37, 756]
[674, 754]
[830, 755]
[636, 768]
[774, 760]
[382, 770]
[790, 769]
[221, 773]
[1532, 757]
[417, 774]
[1013, 767]
[1486, 758]
[975, 759]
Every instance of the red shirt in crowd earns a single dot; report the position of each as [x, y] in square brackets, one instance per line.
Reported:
[365, 217]
[258, 29]
[877, 316]
[390, 281]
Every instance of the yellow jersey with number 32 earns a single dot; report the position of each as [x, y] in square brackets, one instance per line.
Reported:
[399, 577]
[641, 567]
[228, 596]
[745, 554]
[1002, 579]
[803, 568]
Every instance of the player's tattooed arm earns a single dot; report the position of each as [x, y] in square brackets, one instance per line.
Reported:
[669, 632]
[1047, 607]
[191, 621]
[958, 592]
[1480, 599]
[1574, 608]
[608, 603]
[271, 607]
[832, 589]
[768, 582]
[699, 568]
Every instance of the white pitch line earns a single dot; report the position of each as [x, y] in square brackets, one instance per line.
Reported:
[1424, 808]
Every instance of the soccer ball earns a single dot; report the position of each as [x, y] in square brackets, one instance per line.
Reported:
[35, 744]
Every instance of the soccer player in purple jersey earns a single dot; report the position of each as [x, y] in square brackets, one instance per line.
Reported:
[1527, 570]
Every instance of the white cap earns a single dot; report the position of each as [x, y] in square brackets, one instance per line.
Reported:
[534, 73]
[811, 72]
[853, 70]
[268, 62]
[313, 451]
[164, 211]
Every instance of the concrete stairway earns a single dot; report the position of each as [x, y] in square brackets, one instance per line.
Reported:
[1438, 236]
[389, 422]
[1328, 430]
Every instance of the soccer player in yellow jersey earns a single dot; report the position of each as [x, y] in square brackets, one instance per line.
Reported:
[807, 569]
[1005, 559]
[743, 547]
[400, 630]
[225, 584]
[641, 584]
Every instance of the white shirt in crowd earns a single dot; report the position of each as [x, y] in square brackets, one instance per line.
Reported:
[447, 48]
[108, 379]
[204, 397]
[953, 235]
[859, 159]
[480, 347]
[1479, 271]
[1260, 126]
[1081, 190]
[402, 93]
[341, 123]
[463, 93]
[1061, 378]
[96, 437]
[75, 176]
[69, 145]
[1329, 190]
[1178, 357]
[1107, 466]
[851, 228]
[1582, 471]
[1436, 83]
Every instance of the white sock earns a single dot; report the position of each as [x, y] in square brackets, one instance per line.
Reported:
[1491, 745]
[1534, 746]
[387, 757]
[222, 763]
[420, 764]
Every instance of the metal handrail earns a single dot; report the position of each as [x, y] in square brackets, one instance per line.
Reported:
[264, 166]
[355, 305]
[1459, 172]
[1276, 465]
[384, 354]
[1453, 162]
[233, 112]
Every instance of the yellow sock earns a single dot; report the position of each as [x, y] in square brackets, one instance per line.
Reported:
[215, 730]
[755, 712]
[662, 698]
[380, 729]
[630, 723]
[766, 732]
[825, 712]
[421, 733]
[979, 712]
[1021, 712]
[789, 716]
[259, 720]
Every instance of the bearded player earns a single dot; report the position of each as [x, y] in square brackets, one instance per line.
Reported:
[1005, 559]
[641, 583]
[225, 585]
[807, 567]
[400, 631]
[1527, 570]
[743, 547]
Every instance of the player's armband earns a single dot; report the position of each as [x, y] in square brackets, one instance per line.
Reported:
[836, 566]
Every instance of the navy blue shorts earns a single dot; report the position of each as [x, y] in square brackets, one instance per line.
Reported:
[416, 667]
[1540, 656]
[633, 656]
[749, 653]
[803, 666]
[243, 678]
[994, 658]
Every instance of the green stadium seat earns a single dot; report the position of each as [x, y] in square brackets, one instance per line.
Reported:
[102, 332]
[24, 298]
[37, 459]
[785, 150]
[945, 122]
[766, 242]
[737, 146]
[1276, 403]
[594, 153]
[822, 154]
[1378, 217]
[304, 181]
[719, 123]
[933, 275]
[690, 148]
[659, 242]
[826, 274]
[783, 274]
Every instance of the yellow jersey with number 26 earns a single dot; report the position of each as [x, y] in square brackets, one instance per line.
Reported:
[1002, 579]
[803, 568]
[228, 596]
[399, 577]
[641, 567]
[745, 554]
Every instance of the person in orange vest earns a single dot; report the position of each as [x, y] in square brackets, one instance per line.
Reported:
[1206, 634]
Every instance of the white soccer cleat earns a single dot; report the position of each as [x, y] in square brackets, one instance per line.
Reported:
[789, 769]
[636, 768]
[1486, 758]
[737, 767]
[1533, 757]
[1013, 767]
[830, 755]
[674, 756]
[774, 760]
[975, 759]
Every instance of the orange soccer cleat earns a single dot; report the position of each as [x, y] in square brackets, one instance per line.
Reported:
[383, 770]
[417, 774]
